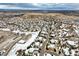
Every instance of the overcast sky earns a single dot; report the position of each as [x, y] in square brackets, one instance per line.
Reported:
[40, 6]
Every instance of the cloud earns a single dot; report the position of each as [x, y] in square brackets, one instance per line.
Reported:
[9, 7]
[40, 6]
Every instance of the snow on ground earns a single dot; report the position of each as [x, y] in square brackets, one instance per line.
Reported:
[18, 46]
[21, 41]
[37, 43]
[51, 46]
[66, 50]
[77, 31]
[73, 52]
[71, 42]
[16, 31]
[5, 29]
[47, 54]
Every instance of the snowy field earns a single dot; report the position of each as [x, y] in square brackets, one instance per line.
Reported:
[21, 44]
[18, 46]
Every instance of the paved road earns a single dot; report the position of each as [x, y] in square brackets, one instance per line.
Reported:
[43, 48]
[10, 44]
[7, 42]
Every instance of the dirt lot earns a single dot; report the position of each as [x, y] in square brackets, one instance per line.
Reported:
[5, 35]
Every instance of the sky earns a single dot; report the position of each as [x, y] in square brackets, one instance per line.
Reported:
[40, 6]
